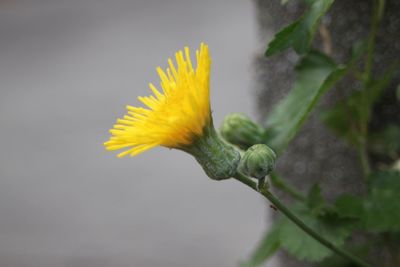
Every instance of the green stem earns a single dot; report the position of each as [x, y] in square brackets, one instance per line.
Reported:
[377, 13]
[377, 9]
[280, 206]
[363, 154]
[284, 186]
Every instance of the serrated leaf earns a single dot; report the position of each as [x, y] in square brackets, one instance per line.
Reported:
[382, 206]
[304, 247]
[316, 73]
[300, 34]
[266, 248]
[283, 39]
[345, 117]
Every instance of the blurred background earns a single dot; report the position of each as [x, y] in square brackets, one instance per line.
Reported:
[67, 70]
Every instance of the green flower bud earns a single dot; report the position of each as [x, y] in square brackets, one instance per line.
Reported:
[258, 161]
[218, 159]
[240, 130]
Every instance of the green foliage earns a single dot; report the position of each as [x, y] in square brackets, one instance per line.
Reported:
[300, 33]
[304, 247]
[316, 213]
[315, 201]
[382, 205]
[321, 217]
[265, 249]
[345, 117]
[349, 206]
[316, 73]
[289, 236]
[377, 212]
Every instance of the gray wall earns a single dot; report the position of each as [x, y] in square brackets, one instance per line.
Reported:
[67, 69]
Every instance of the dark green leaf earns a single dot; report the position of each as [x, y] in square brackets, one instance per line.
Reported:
[315, 201]
[303, 246]
[300, 33]
[382, 206]
[265, 249]
[283, 39]
[349, 206]
[316, 73]
[344, 119]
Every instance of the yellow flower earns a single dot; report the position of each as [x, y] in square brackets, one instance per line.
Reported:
[175, 117]
[179, 117]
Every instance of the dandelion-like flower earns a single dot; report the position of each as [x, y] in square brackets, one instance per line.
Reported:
[177, 117]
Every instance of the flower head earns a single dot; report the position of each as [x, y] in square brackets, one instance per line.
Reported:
[173, 117]
[178, 117]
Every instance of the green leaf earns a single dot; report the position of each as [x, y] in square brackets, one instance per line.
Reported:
[266, 248]
[379, 211]
[316, 73]
[283, 39]
[315, 201]
[382, 206]
[300, 33]
[349, 206]
[304, 247]
[344, 118]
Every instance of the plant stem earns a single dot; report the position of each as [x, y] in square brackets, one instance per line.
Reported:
[363, 153]
[377, 9]
[377, 13]
[291, 216]
[284, 186]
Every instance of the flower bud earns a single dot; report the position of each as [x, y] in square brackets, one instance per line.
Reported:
[240, 130]
[258, 161]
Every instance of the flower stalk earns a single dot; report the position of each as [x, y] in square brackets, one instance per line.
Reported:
[291, 216]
